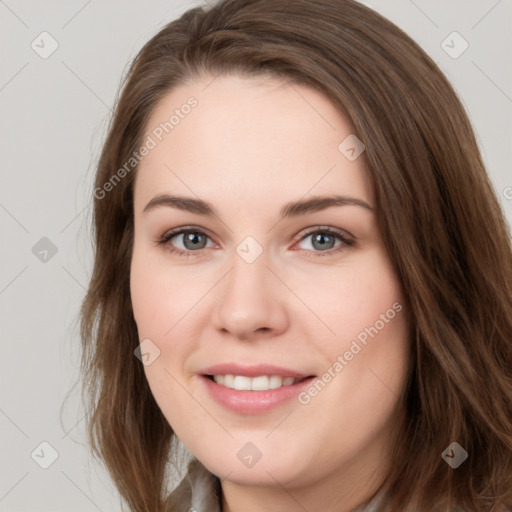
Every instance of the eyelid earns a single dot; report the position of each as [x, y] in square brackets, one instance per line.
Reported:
[347, 242]
[329, 229]
[180, 229]
[171, 233]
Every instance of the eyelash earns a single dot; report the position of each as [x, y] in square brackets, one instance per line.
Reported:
[346, 242]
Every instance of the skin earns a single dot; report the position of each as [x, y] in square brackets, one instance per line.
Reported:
[250, 146]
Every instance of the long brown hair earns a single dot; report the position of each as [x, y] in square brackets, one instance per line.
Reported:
[441, 221]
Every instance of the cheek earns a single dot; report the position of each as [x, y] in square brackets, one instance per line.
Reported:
[162, 292]
[144, 296]
[370, 351]
[156, 309]
[163, 302]
[153, 290]
[353, 297]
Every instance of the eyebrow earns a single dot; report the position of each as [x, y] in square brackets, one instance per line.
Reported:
[292, 209]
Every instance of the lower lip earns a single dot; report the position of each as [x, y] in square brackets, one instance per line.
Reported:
[253, 402]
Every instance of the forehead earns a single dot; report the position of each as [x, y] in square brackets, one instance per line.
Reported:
[247, 139]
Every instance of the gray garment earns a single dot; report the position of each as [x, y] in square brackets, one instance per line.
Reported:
[200, 491]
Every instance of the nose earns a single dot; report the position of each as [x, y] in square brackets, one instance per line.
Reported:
[249, 301]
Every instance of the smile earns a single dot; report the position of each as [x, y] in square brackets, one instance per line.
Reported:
[259, 383]
[253, 395]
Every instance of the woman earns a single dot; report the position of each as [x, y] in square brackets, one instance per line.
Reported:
[296, 237]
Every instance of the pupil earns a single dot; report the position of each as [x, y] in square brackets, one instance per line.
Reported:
[320, 238]
[193, 238]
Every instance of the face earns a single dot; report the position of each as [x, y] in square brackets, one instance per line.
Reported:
[265, 278]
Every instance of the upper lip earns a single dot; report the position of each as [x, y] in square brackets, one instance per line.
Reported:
[252, 371]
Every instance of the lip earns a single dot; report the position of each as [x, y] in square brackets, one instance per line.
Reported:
[253, 402]
[252, 371]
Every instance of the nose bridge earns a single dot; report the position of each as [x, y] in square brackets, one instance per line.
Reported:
[249, 298]
[247, 276]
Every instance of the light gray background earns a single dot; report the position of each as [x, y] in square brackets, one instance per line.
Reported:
[54, 117]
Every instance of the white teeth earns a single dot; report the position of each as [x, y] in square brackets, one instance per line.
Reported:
[228, 380]
[260, 383]
[242, 382]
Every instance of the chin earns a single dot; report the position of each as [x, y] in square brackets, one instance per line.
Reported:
[264, 473]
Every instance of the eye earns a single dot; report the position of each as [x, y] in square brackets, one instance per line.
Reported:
[323, 241]
[193, 240]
